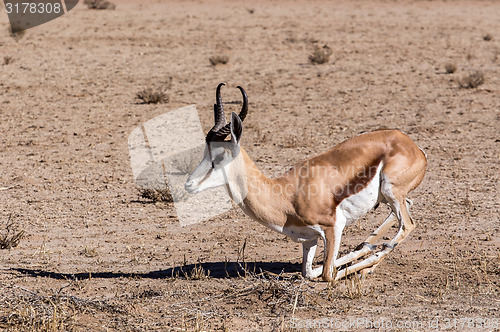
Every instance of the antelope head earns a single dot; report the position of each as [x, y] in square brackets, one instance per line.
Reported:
[220, 158]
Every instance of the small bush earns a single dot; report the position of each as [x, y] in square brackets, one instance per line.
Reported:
[320, 54]
[99, 4]
[156, 195]
[7, 60]
[487, 37]
[10, 236]
[197, 273]
[218, 59]
[450, 68]
[471, 81]
[150, 96]
[89, 252]
[23, 309]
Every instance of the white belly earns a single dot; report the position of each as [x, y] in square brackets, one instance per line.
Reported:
[304, 233]
[299, 234]
[354, 207]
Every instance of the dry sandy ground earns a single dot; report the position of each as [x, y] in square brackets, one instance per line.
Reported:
[97, 256]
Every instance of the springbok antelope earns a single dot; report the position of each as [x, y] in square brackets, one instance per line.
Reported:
[319, 196]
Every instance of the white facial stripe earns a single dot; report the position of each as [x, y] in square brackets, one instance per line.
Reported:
[211, 172]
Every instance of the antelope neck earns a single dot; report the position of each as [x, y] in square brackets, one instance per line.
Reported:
[265, 199]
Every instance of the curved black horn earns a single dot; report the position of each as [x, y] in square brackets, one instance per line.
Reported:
[244, 108]
[219, 116]
[221, 133]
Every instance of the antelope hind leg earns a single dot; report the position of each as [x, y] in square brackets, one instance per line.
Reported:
[367, 246]
[406, 226]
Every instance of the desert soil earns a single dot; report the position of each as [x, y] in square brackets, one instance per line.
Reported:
[98, 256]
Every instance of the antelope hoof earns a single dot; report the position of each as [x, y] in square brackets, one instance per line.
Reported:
[367, 271]
[366, 244]
[390, 246]
[326, 278]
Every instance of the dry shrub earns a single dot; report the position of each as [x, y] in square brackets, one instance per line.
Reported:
[471, 81]
[156, 194]
[487, 37]
[196, 273]
[277, 290]
[7, 60]
[147, 293]
[150, 96]
[99, 4]
[218, 59]
[320, 54]
[164, 190]
[354, 287]
[10, 235]
[22, 309]
[450, 68]
[89, 252]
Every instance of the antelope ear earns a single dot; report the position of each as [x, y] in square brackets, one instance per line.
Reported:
[236, 128]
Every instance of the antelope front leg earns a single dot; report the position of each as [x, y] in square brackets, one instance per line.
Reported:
[308, 251]
[333, 236]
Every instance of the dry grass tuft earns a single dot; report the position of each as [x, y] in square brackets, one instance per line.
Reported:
[471, 271]
[99, 4]
[164, 191]
[7, 60]
[487, 37]
[150, 96]
[10, 235]
[471, 81]
[156, 195]
[278, 290]
[468, 205]
[197, 273]
[218, 59]
[280, 293]
[89, 252]
[22, 309]
[450, 68]
[147, 292]
[354, 287]
[320, 55]
[186, 163]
